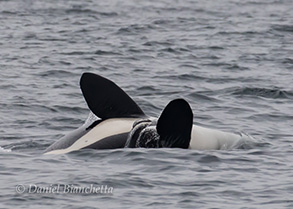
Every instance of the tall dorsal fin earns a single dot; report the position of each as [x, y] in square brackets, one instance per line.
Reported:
[175, 124]
[107, 100]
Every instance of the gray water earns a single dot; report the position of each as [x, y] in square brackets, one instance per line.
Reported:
[231, 60]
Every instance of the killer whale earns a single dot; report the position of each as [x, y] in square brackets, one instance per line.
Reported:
[145, 135]
[174, 129]
[116, 121]
[111, 118]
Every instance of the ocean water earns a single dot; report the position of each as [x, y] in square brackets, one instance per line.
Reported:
[231, 60]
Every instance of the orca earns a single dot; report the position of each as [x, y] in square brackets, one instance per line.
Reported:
[116, 121]
[111, 118]
[174, 129]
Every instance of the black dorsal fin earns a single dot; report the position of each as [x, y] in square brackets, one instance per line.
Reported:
[107, 100]
[175, 124]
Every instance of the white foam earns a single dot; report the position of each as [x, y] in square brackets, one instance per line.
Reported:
[4, 150]
[91, 118]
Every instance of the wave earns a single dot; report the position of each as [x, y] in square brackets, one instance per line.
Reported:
[282, 28]
[135, 28]
[273, 93]
[4, 150]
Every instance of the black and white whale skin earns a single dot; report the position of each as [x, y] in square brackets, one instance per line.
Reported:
[116, 121]
[174, 129]
[111, 118]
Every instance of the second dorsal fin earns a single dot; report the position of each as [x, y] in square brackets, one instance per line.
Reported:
[175, 124]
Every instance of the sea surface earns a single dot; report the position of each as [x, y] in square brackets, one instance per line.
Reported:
[231, 60]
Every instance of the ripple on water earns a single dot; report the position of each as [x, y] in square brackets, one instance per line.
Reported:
[282, 28]
[57, 73]
[273, 93]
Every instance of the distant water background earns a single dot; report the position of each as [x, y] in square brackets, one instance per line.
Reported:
[231, 60]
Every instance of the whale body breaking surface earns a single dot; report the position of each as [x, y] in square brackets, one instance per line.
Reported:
[116, 121]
